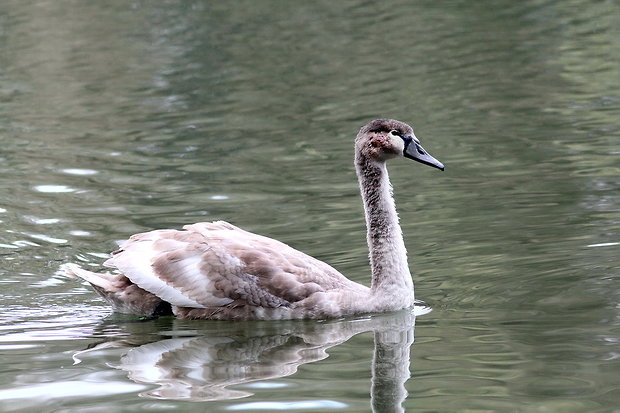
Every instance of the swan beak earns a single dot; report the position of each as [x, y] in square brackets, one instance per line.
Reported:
[413, 150]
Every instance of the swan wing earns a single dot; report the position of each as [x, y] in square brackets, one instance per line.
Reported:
[213, 264]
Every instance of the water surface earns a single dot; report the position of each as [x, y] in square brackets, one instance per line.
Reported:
[121, 117]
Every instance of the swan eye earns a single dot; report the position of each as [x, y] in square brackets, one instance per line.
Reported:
[395, 133]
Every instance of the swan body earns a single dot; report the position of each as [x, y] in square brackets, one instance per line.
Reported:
[215, 270]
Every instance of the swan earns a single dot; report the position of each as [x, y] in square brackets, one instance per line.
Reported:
[215, 270]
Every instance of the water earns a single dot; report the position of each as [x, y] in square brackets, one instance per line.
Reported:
[120, 117]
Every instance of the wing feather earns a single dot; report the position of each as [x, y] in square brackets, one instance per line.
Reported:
[217, 264]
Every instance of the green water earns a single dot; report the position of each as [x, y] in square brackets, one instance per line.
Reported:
[118, 117]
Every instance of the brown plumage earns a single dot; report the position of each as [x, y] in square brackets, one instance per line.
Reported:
[218, 271]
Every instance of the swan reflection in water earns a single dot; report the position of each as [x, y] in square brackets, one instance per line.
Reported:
[207, 364]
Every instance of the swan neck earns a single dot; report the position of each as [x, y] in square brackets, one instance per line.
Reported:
[388, 255]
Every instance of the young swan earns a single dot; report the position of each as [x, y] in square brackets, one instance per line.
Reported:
[214, 270]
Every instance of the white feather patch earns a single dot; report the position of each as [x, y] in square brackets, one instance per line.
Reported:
[135, 262]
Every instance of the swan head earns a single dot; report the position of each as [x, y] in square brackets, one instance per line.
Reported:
[384, 139]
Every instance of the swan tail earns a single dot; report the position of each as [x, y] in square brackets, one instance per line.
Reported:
[123, 295]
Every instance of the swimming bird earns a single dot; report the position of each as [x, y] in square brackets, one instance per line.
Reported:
[215, 270]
